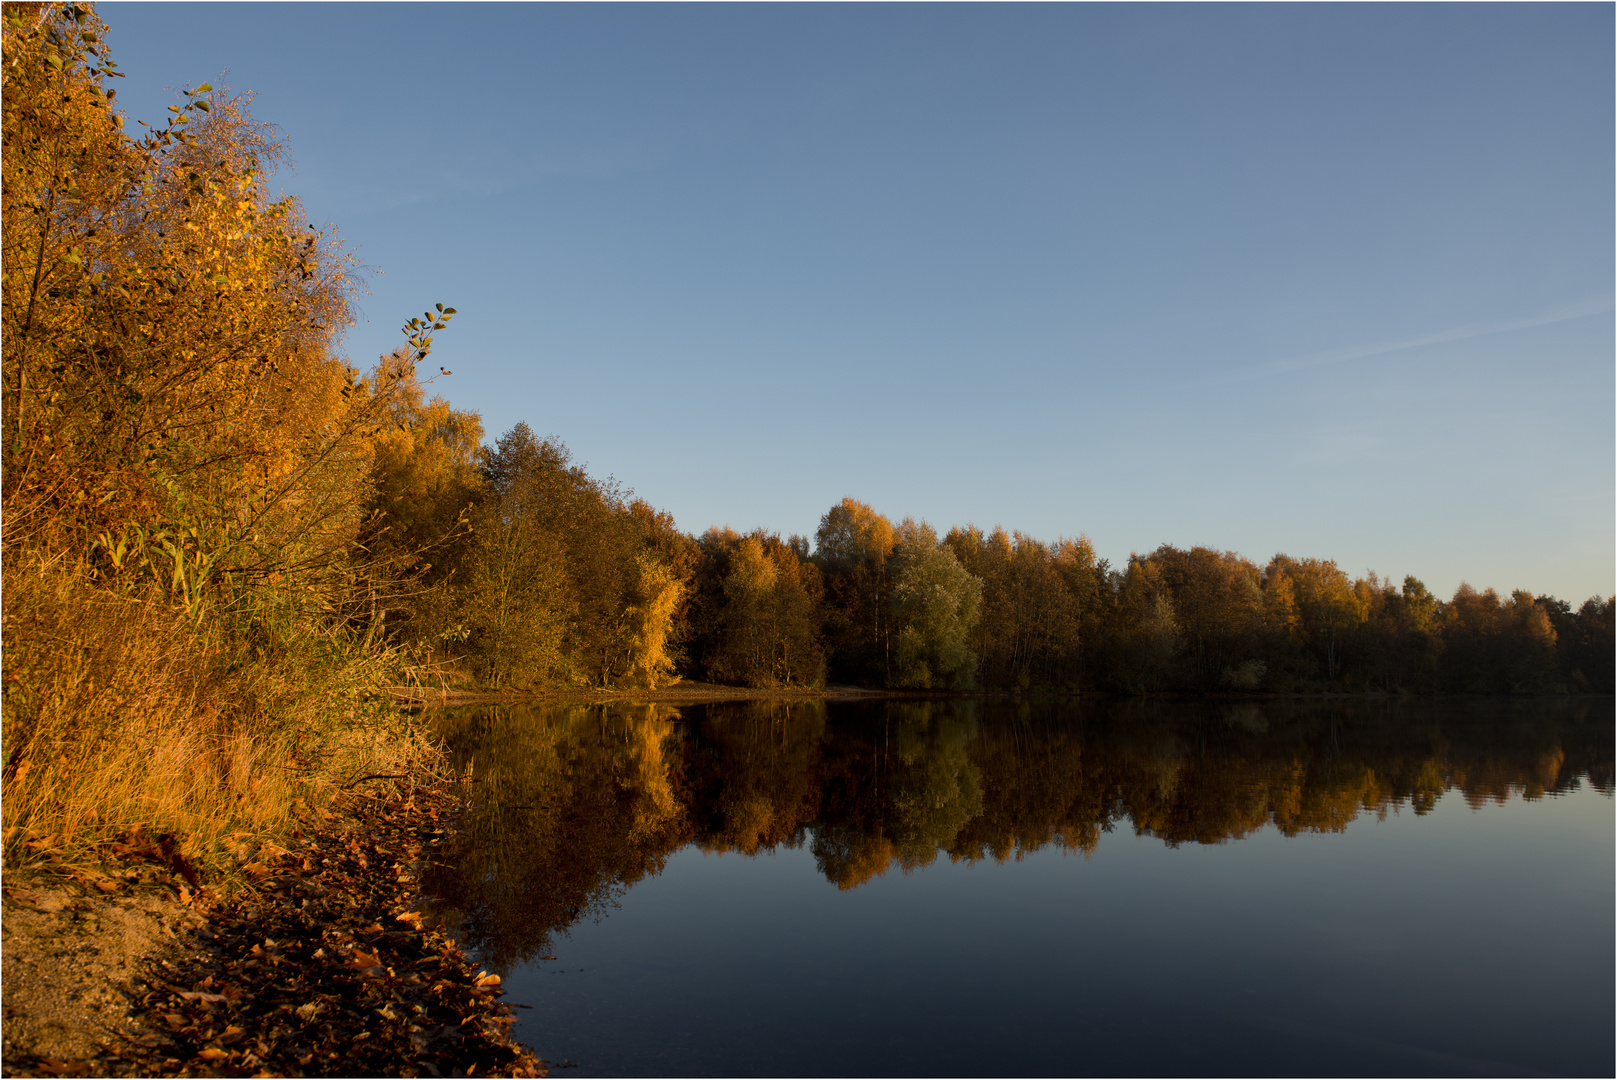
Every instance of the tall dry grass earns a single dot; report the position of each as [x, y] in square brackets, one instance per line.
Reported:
[122, 714]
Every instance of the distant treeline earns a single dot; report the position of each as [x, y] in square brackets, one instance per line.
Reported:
[553, 578]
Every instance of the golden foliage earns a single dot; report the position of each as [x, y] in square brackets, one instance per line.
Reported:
[651, 620]
[767, 634]
[184, 459]
[121, 714]
[168, 324]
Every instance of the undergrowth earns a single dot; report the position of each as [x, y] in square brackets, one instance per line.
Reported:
[126, 715]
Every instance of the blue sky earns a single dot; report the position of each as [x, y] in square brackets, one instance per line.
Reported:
[1332, 281]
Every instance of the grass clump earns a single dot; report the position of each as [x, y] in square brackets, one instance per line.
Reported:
[124, 715]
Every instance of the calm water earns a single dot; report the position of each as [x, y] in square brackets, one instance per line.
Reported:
[988, 888]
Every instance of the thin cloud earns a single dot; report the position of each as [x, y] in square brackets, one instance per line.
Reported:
[455, 180]
[1442, 337]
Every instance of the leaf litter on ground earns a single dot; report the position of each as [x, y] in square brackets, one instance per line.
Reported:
[329, 969]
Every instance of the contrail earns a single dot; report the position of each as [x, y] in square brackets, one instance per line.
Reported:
[1456, 333]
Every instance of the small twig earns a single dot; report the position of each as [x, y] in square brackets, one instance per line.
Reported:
[375, 776]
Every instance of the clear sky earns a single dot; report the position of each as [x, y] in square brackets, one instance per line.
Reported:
[1331, 281]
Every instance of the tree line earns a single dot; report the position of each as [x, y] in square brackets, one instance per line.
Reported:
[531, 574]
[877, 603]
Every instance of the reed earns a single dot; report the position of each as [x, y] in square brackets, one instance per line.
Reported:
[127, 714]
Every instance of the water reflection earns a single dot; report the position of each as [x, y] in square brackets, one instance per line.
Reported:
[565, 809]
[570, 807]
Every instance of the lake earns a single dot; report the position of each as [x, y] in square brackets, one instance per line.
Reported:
[989, 887]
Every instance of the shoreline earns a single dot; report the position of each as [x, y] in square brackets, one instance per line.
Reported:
[324, 965]
[694, 693]
[688, 693]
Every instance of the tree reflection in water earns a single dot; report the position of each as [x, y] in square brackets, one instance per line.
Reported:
[568, 807]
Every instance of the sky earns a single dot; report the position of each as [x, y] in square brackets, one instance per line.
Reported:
[1333, 281]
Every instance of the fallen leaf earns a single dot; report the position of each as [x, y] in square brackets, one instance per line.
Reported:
[176, 858]
[213, 1053]
[487, 980]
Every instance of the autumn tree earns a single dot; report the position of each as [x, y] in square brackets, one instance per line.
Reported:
[1326, 604]
[514, 598]
[426, 476]
[935, 603]
[1397, 646]
[1030, 628]
[567, 580]
[851, 548]
[1143, 639]
[766, 625]
[1584, 641]
[1494, 645]
[185, 457]
[1086, 578]
[1218, 606]
[679, 555]
[174, 405]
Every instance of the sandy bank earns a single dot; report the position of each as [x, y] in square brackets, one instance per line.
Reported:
[324, 966]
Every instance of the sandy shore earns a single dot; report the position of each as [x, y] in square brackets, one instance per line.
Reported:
[323, 966]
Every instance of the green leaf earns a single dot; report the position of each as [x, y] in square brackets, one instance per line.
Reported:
[204, 88]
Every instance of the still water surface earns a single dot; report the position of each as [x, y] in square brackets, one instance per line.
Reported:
[987, 888]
